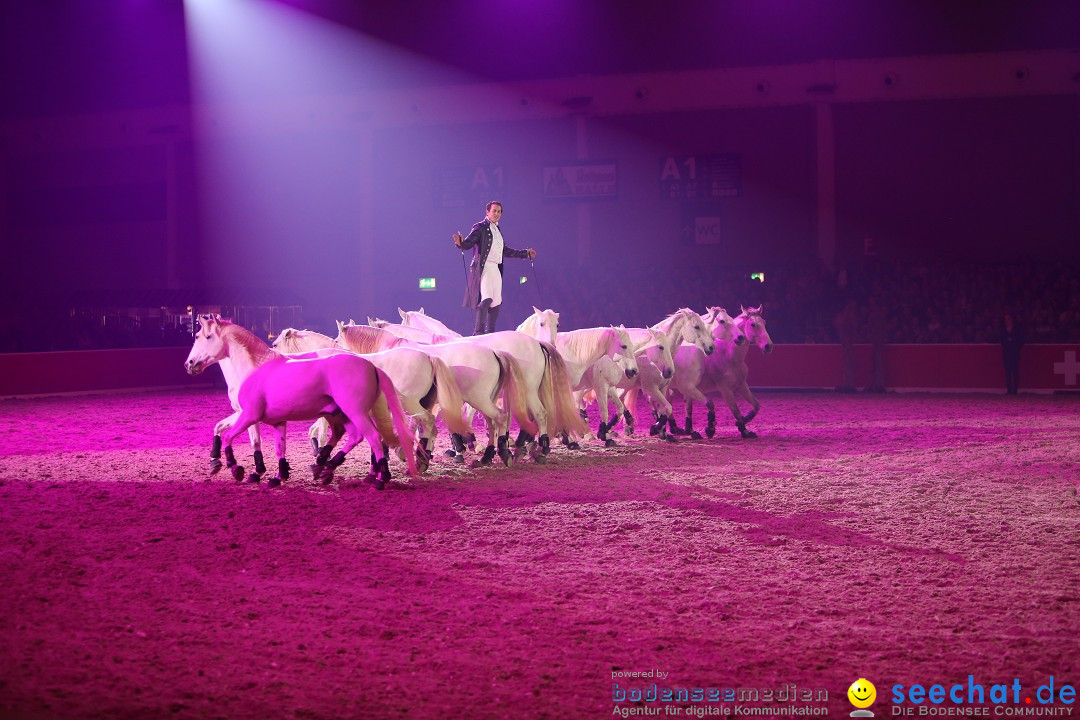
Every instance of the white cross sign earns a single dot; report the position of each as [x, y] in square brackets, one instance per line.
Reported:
[1069, 367]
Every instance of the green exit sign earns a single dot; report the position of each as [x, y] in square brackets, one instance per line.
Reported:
[427, 283]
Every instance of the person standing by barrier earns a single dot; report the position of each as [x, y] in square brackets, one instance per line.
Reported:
[1012, 340]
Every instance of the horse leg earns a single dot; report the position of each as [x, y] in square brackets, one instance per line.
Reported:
[489, 450]
[662, 411]
[740, 421]
[710, 419]
[744, 390]
[241, 424]
[256, 446]
[627, 409]
[691, 396]
[283, 464]
[318, 434]
[607, 422]
[337, 430]
[215, 448]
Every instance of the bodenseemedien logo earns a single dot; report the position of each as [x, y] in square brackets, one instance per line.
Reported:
[862, 694]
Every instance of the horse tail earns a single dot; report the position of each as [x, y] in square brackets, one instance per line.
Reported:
[513, 389]
[556, 395]
[449, 397]
[390, 420]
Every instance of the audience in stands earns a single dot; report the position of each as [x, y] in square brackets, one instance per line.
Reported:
[893, 303]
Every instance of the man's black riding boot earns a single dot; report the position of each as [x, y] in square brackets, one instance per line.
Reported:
[482, 317]
[492, 316]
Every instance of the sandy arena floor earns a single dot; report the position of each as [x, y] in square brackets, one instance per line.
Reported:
[901, 538]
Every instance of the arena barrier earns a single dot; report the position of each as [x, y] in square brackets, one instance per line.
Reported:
[1043, 368]
[82, 371]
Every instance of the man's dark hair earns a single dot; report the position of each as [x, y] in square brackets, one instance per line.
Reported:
[493, 202]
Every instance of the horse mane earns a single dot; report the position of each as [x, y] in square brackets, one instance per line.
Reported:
[529, 325]
[252, 345]
[366, 339]
[583, 343]
[666, 324]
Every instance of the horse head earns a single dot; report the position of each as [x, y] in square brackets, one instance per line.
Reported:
[285, 339]
[659, 347]
[209, 346]
[752, 324]
[695, 332]
[724, 329]
[542, 325]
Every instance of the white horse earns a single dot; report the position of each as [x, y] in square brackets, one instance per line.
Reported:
[726, 372]
[420, 319]
[353, 396]
[482, 374]
[542, 325]
[690, 367]
[608, 381]
[581, 349]
[682, 326]
[421, 381]
[547, 385]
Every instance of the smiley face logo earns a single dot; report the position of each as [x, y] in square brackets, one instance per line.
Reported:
[862, 693]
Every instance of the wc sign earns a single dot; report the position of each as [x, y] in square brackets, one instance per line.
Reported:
[707, 230]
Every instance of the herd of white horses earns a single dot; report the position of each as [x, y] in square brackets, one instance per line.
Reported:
[387, 383]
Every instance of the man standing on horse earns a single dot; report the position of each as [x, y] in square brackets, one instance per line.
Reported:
[483, 286]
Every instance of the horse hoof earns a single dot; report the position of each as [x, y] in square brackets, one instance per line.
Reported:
[421, 466]
[254, 479]
[540, 459]
[459, 458]
[609, 443]
[710, 431]
[238, 472]
[669, 438]
[472, 464]
[573, 446]
[695, 435]
[654, 430]
[629, 431]
[273, 482]
[507, 457]
[215, 465]
[315, 469]
[326, 478]
[449, 453]
[750, 435]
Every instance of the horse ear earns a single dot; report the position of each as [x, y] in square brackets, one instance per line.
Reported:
[537, 310]
[370, 321]
[340, 326]
[401, 313]
[421, 310]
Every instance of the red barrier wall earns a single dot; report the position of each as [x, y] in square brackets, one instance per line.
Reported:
[915, 367]
[907, 367]
[93, 370]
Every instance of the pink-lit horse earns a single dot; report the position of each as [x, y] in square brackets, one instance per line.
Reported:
[351, 393]
[691, 364]
[726, 372]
